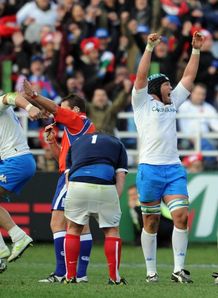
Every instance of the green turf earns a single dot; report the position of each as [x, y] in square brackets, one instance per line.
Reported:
[20, 279]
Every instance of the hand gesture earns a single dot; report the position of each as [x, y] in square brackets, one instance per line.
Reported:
[50, 133]
[153, 39]
[28, 89]
[197, 40]
[34, 113]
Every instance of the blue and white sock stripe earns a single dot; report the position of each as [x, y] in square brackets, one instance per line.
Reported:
[59, 234]
[86, 237]
[177, 204]
[155, 209]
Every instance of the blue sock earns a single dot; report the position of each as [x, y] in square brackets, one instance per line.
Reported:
[85, 250]
[59, 253]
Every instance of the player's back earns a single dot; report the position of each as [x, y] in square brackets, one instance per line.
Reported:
[12, 138]
[96, 148]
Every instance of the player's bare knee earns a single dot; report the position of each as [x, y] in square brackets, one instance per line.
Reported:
[58, 221]
[179, 211]
[86, 229]
[151, 223]
[151, 217]
[180, 218]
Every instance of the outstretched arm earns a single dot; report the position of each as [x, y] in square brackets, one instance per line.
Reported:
[192, 66]
[144, 64]
[34, 97]
[17, 100]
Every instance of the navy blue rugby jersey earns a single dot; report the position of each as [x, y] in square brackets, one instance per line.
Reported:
[96, 155]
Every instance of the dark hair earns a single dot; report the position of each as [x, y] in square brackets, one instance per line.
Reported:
[75, 100]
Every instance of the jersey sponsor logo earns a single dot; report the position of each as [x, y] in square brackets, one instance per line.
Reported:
[163, 109]
[3, 178]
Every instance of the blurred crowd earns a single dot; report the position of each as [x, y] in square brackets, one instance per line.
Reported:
[92, 47]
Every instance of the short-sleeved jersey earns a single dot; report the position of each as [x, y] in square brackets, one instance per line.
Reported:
[12, 138]
[156, 126]
[75, 126]
[97, 148]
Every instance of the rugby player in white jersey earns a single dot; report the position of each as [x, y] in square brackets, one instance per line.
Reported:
[17, 166]
[160, 173]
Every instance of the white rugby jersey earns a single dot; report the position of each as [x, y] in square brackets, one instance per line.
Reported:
[12, 138]
[156, 126]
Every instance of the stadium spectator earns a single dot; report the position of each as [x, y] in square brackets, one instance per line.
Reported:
[197, 105]
[154, 107]
[96, 180]
[103, 113]
[208, 67]
[17, 166]
[194, 163]
[42, 12]
[72, 115]
[125, 26]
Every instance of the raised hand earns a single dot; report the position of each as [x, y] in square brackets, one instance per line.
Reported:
[28, 89]
[152, 40]
[197, 40]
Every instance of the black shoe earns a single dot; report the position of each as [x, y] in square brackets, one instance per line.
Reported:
[215, 275]
[70, 281]
[117, 283]
[182, 276]
[152, 278]
[53, 278]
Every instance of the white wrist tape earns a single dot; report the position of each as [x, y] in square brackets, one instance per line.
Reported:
[149, 47]
[195, 51]
[28, 107]
[11, 98]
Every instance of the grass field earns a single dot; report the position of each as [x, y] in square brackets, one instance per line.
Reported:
[20, 279]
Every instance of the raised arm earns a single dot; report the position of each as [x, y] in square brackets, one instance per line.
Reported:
[34, 97]
[144, 64]
[17, 100]
[191, 69]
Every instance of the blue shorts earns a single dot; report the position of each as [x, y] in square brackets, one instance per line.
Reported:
[16, 171]
[60, 194]
[156, 181]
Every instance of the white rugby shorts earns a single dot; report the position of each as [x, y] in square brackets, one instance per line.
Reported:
[85, 199]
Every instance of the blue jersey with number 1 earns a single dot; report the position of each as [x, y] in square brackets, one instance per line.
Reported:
[98, 156]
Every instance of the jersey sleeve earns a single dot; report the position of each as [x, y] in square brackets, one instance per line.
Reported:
[122, 165]
[68, 118]
[179, 95]
[139, 98]
[3, 107]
